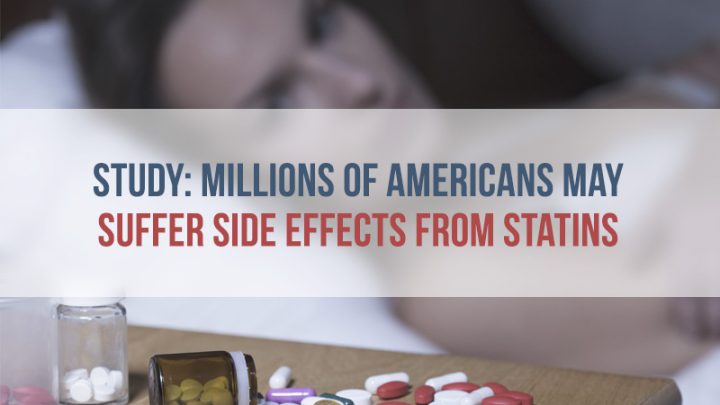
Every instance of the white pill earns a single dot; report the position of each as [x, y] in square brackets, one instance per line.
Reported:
[281, 377]
[74, 375]
[476, 397]
[312, 400]
[116, 379]
[373, 382]
[358, 396]
[103, 393]
[438, 382]
[450, 397]
[81, 391]
[100, 376]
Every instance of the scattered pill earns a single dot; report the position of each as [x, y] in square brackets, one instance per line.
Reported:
[450, 397]
[284, 395]
[438, 382]
[81, 391]
[393, 389]
[281, 377]
[476, 397]
[358, 396]
[461, 386]
[100, 376]
[498, 400]
[342, 400]
[496, 388]
[373, 382]
[424, 394]
[523, 397]
[172, 392]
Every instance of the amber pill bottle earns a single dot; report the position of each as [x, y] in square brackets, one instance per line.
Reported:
[205, 378]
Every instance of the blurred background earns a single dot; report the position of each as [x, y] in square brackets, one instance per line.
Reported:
[396, 54]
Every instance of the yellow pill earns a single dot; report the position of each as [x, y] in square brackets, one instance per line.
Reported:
[222, 397]
[189, 383]
[219, 382]
[172, 393]
[191, 394]
[208, 394]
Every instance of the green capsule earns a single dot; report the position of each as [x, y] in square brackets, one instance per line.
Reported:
[344, 401]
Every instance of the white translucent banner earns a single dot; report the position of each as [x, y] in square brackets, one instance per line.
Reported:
[459, 203]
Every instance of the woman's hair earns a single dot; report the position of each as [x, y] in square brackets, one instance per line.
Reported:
[117, 43]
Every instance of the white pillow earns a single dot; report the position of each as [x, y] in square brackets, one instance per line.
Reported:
[38, 69]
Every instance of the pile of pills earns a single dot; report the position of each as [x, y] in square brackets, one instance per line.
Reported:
[192, 392]
[98, 385]
[448, 389]
[25, 396]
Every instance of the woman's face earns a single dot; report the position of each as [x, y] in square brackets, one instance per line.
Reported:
[282, 54]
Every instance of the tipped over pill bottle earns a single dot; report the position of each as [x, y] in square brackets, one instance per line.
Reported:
[92, 351]
[207, 378]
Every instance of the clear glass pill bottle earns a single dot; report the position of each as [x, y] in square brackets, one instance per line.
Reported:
[27, 351]
[92, 351]
[207, 378]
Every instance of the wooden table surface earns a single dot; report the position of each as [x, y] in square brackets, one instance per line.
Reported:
[331, 368]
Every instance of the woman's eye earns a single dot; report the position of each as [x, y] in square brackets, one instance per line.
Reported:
[321, 19]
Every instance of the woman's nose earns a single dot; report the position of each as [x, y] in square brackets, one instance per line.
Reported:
[338, 83]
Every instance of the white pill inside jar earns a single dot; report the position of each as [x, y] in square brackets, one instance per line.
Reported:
[103, 393]
[373, 382]
[476, 397]
[116, 379]
[70, 377]
[438, 382]
[281, 377]
[100, 376]
[358, 396]
[450, 397]
[81, 391]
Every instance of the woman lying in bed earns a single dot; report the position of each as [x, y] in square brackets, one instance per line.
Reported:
[325, 54]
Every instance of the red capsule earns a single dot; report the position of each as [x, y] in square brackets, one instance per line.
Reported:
[461, 386]
[523, 397]
[424, 394]
[498, 400]
[393, 389]
[393, 403]
[496, 388]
